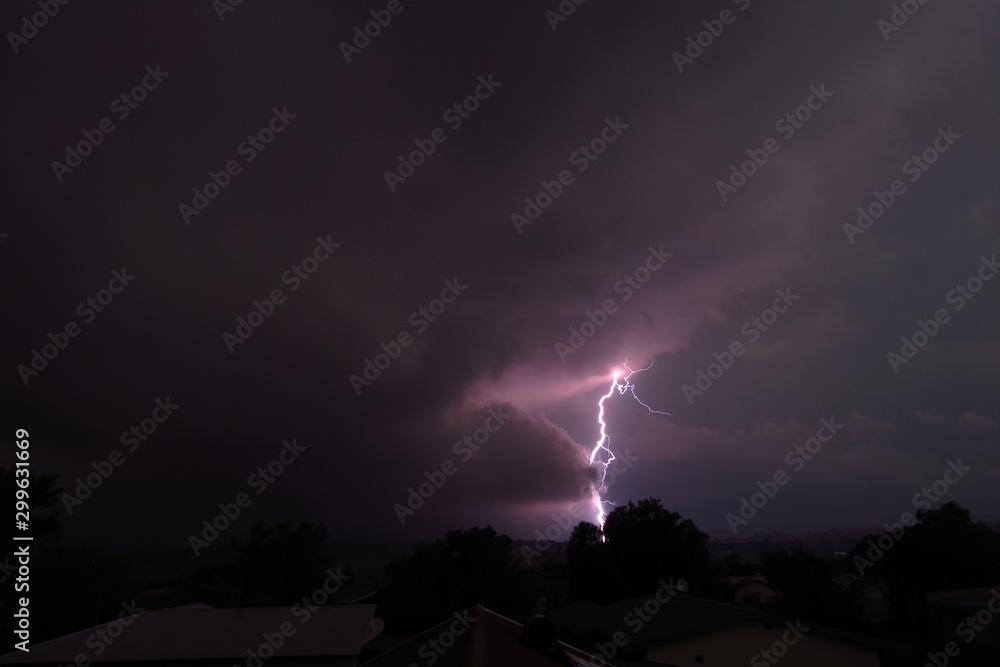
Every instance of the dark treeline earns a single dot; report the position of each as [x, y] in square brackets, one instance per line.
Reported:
[75, 586]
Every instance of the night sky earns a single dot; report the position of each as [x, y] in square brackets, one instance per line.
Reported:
[460, 193]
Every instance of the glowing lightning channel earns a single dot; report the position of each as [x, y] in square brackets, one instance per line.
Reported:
[604, 442]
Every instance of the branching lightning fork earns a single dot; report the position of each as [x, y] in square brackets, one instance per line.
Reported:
[622, 384]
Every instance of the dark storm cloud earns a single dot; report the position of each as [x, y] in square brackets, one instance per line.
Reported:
[542, 94]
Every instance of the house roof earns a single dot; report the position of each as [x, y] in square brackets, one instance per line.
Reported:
[486, 639]
[967, 599]
[200, 632]
[682, 617]
[869, 590]
[751, 583]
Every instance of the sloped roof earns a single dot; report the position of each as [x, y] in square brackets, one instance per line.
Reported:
[489, 640]
[682, 617]
[195, 632]
[967, 598]
[752, 583]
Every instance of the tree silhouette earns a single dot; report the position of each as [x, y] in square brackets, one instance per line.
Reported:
[591, 575]
[944, 549]
[808, 591]
[272, 566]
[277, 565]
[71, 585]
[466, 567]
[733, 565]
[644, 543]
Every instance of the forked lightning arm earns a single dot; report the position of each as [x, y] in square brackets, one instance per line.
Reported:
[622, 384]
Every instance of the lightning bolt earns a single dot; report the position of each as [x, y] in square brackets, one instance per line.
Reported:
[622, 385]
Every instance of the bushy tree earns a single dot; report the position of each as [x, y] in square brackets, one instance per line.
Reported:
[805, 582]
[277, 565]
[271, 566]
[642, 544]
[943, 549]
[471, 566]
